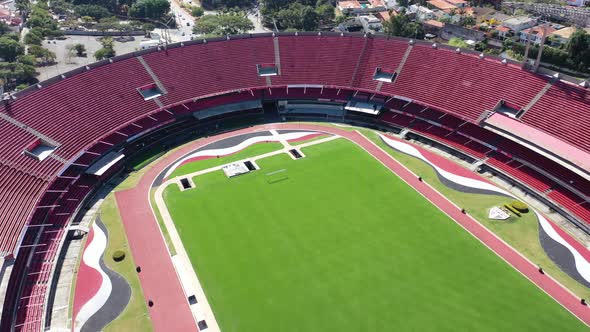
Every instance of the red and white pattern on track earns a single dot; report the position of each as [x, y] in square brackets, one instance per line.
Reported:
[303, 138]
[160, 282]
[443, 162]
[88, 281]
[228, 151]
[571, 241]
[580, 254]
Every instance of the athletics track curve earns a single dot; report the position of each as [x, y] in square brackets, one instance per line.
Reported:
[160, 283]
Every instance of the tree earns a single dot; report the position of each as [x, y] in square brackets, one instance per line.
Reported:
[33, 37]
[87, 21]
[298, 16]
[326, 12]
[154, 9]
[39, 52]
[578, 49]
[60, 7]
[147, 27]
[27, 60]
[223, 24]
[94, 11]
[226, 3]
[104, 53]
[108, 23]
[197, 11]
[458, 42]
[400, 25]
[22, 73]
[80, 49]
[4, 28]
[24, 6]
[10, 49]
[468, 20]
[107, 50]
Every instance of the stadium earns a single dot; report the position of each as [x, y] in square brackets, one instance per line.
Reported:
[289, 181]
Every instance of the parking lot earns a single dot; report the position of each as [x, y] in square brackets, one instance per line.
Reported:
[65, 62]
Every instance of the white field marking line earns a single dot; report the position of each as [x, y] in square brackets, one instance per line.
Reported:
[255, 158]
[203, 303]
[281, 139]
[485, 228]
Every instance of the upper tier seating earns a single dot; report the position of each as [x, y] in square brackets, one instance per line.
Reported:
[385, 54]
[318, 60]
[210, 68]
[77, 111]
[563, 111]
[462, 84]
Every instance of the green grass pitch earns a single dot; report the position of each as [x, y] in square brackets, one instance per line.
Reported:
[344, 244]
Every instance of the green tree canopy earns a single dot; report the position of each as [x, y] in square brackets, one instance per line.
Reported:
[10, 49]
[458, 42]
[400, 26]
[197, 11]
[578, 49]
[95, 11]
[154, 9]
[326, 12]
[223, 24]
[298, 16]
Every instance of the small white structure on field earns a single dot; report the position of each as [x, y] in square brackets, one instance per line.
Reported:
[234, 169]
[497, 213]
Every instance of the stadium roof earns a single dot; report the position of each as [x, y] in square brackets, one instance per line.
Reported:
[541, 139]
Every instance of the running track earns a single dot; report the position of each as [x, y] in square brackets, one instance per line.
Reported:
[160, 283]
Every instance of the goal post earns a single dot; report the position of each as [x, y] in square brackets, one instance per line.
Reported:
[277, 176]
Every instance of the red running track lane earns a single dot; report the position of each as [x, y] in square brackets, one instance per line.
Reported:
[160, 283]
[88, 281]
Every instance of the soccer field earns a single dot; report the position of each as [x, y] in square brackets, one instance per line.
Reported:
[344, 244]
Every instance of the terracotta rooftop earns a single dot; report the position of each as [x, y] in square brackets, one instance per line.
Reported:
[441, 4]
[349, 4]
[538, 30]
[434, 23]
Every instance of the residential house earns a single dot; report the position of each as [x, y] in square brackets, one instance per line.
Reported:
[535, 34]
[421, 13]
[458, 3]
[441, 5]
[371, 23]
[361, 6]
[432, 26]
[519, 23]
[503, 32]
[562, 36]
